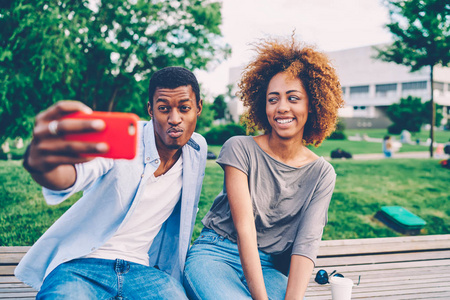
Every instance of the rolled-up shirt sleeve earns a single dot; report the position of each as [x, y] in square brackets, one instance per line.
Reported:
[234, 154]
[310, 229]
[87, 175]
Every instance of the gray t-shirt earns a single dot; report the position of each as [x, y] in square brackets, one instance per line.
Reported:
[289, 204]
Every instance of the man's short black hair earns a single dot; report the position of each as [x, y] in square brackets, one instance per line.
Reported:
[171, 78]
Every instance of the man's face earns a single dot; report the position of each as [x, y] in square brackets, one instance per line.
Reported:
[174, 115]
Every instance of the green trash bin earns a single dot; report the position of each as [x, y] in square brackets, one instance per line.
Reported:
[400, 219]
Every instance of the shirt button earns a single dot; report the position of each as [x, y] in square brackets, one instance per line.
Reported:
[157, 161]
[142, 176]
[147, 159]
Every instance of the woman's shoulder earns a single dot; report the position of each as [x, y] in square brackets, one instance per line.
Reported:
[239, 140]
[325, 168]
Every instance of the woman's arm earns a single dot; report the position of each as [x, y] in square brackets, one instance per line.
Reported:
[299, 274]
[242, 212]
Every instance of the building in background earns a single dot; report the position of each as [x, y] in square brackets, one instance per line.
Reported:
[370, 86]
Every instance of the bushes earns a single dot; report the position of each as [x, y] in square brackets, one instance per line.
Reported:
[219, 134]
[338, 134]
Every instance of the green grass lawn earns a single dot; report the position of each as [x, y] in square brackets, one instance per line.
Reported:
[362, 187]
[440, 136]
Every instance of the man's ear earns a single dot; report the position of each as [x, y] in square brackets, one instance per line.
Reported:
[149, 110]
[199, 107]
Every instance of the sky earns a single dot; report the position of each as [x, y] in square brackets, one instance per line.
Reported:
[328, 24]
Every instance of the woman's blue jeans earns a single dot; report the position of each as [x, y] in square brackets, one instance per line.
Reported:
[92, 278]
[213, 270]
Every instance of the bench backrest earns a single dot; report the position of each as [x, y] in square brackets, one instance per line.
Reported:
[383, 250]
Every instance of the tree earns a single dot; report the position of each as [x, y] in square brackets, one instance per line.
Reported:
[407, 114]
[410, 114]
[101, 54]
[219, 107]
[421, 32]
[206, 118]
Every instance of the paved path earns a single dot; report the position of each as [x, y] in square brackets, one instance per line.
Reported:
[422, 154]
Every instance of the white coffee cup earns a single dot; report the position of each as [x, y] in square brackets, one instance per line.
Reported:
[341, 288]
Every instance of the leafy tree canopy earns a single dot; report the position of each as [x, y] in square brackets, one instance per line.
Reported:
[410, 114]
[421, 32]
[220, 107]
[99, 52]
[206, 118]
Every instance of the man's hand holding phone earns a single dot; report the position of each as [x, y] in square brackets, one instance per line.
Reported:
[69, 132]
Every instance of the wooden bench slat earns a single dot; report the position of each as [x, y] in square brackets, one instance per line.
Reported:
[16, 290]
[382, 258]
[408, 291]
[12, 285]
[383, 245]
[7, 270]
[389, 266]
[14, 249]
[10, 258]
[389, 285]
[433, 295]
[9, 279]
[17, 296]
[359, 292]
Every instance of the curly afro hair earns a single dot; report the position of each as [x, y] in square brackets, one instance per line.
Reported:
[315, 71]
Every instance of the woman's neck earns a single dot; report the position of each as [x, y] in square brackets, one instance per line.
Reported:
[289, 151]
[285, 149]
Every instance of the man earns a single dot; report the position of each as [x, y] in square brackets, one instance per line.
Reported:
[127, 237]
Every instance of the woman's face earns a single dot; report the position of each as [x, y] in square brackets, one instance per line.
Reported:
[287, 106]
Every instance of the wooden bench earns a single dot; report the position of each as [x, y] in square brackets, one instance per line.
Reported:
[412, 267]
[10, 286]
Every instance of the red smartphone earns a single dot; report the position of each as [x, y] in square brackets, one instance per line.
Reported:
[120, 133]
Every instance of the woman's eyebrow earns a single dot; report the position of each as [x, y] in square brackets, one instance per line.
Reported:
[293, 91]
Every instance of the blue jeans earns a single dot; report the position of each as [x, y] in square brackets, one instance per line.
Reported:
[213, 270]
[92, 278]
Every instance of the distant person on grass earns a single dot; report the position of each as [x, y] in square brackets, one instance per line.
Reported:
[128, 236]
[262, 233]
[387, 146]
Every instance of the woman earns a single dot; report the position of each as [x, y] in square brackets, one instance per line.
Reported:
[269, 218]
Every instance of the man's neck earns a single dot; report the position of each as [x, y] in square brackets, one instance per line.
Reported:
[168, 157]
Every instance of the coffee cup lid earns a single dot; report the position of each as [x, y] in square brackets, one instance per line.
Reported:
[341, 281]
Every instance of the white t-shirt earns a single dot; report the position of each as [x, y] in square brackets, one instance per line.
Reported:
[133, 239]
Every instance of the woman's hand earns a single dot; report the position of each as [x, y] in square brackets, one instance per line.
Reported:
[300, 272]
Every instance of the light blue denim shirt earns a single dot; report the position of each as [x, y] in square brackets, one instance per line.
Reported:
[111, 190]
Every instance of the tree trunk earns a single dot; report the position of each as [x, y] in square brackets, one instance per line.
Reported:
[433, 113]
[112, 99]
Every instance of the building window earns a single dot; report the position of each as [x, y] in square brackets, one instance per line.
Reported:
[343, 89]
[364, 89]
[438, 86]
[417, 85]
[384, 88]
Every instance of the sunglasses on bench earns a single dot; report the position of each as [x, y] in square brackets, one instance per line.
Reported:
[322, 276]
